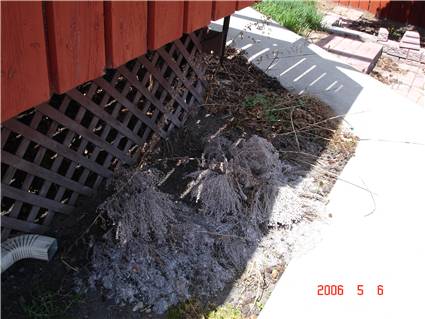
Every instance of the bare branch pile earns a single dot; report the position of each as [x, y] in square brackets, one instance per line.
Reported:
[161, 250]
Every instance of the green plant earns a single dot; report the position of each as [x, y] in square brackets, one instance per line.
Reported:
[191, 308]
[49, 304]
[395, 32]
[259, 305]
[271, 115]
[225, 312]
[194, 310]
[255, 100]
[300, 16]
[266, 104]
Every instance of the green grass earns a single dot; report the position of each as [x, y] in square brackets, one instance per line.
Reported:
[299, 16]
[225, 312]
[194, 310]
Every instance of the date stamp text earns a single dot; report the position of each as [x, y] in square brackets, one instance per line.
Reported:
[359, 290]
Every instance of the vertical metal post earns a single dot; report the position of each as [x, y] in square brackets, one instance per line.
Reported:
[226, 24]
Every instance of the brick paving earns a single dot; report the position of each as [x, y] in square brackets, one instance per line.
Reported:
[407, 77]
[412, 83]
[360, 55]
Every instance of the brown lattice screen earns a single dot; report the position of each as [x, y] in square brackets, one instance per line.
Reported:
[65, 148]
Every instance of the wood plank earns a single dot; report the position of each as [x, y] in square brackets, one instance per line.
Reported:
[132, 108]
[384, 9]
[44, 173]
[76, 127]
[397, 11]
[151, 97]
[164, 83]
[24, 72]
[33, 199]
[21, 225]
[173, 65]
[105, 116]
[223, 9]
[189, 58]
[354, 4]
[421, 22]
[125, 31]
[417, 12]
[243, 4]
[197, 14]
[165, 20]
[374, 6]
[76, 42]
[51, 144]
[364, 5]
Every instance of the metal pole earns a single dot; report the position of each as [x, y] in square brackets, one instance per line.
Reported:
[224, 37]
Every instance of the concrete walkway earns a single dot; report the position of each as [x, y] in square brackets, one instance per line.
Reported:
[377, 237]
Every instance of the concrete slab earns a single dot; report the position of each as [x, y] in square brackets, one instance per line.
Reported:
[372, 241]
[378, 204]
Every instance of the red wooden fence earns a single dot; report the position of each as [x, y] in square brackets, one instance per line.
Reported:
[54, 46]
[412, 12]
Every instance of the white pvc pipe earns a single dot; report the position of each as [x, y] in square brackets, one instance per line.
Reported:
[27, 246]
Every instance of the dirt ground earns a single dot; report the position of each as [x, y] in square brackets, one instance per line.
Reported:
[396, 30]
[387, 70]
[241, 102]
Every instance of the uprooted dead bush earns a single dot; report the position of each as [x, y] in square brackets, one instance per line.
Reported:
[245, 176]
[162, 250]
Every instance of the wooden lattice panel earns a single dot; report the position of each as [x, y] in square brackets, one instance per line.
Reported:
[63, 149]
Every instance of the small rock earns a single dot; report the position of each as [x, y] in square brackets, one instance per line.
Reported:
[275, 274]
[138, 306]
[383, 35]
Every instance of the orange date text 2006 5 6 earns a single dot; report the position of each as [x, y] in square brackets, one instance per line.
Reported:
[338, 290]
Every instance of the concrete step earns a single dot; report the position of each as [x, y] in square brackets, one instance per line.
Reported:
[410, 40]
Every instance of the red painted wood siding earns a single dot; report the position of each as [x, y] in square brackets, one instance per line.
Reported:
[223, 8]
[126, 25]
[196, 15]
[165, 22]
[84, 38]
[24, 59]
[244, 3]
[412, 12]
[76, 42]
